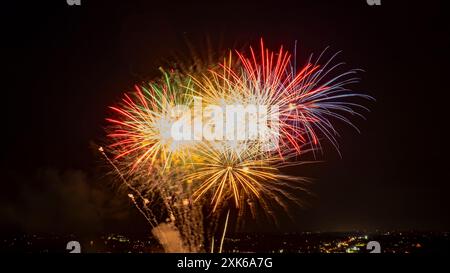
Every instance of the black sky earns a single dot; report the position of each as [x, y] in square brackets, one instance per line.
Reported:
[62, 66]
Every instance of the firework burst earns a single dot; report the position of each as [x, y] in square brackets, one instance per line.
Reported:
[141, 132]
[300, 104]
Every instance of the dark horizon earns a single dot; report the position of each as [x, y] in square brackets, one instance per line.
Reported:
[65, 65]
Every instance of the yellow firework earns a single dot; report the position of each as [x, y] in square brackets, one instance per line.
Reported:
[235, 173]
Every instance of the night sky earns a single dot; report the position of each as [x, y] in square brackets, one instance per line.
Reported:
[63, 65]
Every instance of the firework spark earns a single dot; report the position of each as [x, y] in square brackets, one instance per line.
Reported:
[142, 130]
[305, 98]
[179, 176]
